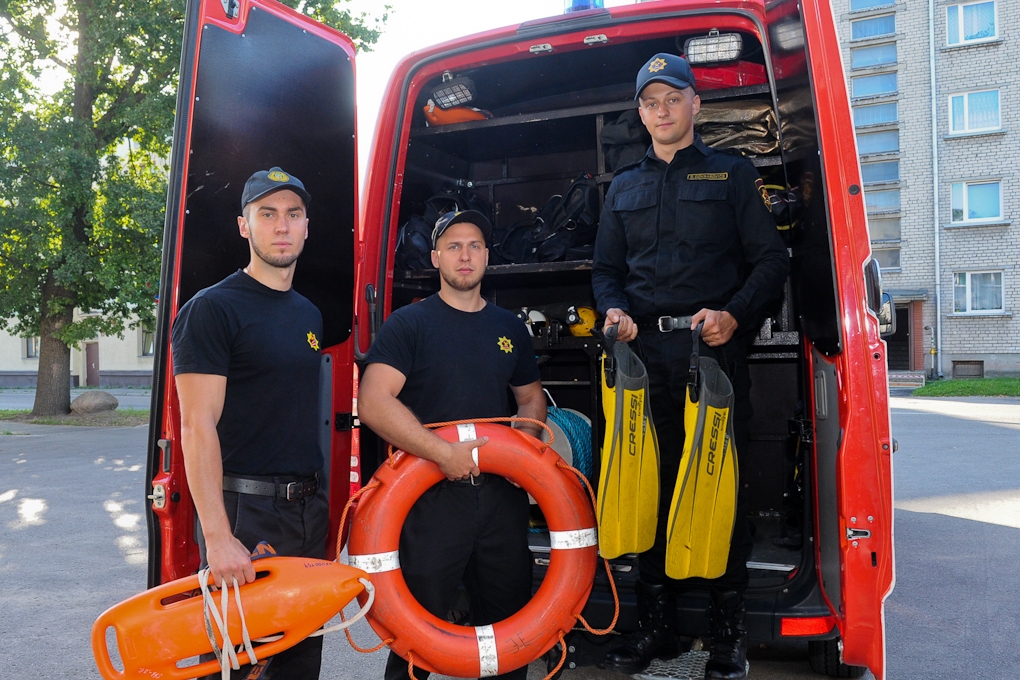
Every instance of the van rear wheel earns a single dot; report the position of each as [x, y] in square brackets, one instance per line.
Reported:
[825, 657]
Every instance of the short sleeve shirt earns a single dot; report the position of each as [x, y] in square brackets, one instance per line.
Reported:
[457, 364]
[266, 343]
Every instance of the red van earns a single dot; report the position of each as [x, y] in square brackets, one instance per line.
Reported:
[262, 85]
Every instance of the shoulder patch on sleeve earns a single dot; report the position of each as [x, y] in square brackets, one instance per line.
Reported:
[764, 193]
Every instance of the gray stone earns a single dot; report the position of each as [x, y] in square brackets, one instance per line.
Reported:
[94, 402]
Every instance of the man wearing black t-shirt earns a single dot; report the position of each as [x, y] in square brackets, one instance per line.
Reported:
[451, 357]
[246, 361]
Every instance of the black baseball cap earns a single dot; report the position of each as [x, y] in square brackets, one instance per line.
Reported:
[267, 181]
[457, 217]
[665, 68]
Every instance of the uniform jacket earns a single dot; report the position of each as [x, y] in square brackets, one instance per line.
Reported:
[695, 233]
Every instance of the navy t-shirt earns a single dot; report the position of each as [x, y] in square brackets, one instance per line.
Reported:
[457, 364]
[266, 343]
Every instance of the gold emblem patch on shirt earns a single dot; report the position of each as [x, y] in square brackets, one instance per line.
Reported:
[710, 176]
[313, 341]
[506, 345]
[657, 65]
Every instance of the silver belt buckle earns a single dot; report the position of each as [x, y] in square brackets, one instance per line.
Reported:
[665, 324]
[296, 488]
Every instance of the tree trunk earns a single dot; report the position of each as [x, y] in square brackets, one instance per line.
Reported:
[53, 386]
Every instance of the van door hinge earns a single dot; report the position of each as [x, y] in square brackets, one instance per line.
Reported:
[345, 422]
[541, 49]
[600, 39]
[229, 8]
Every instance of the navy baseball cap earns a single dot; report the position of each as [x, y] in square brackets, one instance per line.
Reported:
[665, 68]
[459, 216]
[267, 181]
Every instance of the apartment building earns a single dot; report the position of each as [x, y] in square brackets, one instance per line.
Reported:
[935, 102]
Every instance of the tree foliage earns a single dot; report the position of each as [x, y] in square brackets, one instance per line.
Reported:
[87, 94]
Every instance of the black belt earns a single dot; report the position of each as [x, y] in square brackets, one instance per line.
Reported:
[665, 324]
[301, 487]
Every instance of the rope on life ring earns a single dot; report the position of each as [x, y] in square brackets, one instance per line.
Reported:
[481, 651]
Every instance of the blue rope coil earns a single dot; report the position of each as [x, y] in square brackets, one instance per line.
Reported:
[578, 433]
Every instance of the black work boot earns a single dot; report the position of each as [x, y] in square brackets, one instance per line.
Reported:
[655, 637]
[728, 656]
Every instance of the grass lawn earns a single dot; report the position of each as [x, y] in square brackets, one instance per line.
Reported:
[976, 387]
[123, 417]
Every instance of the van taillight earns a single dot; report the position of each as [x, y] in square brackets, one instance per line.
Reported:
[815, 625]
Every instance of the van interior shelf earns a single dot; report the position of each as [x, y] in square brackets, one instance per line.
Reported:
[506, 269]
[576, 112]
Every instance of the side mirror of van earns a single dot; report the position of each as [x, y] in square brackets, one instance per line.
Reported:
[887, 317]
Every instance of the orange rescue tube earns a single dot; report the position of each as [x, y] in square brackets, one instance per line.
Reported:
[292, 596]
[480, 651]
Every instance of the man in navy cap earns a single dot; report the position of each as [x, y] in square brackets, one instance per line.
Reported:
[686, 237]
[246, 361]
[451, 357]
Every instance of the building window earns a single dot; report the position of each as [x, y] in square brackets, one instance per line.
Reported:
[970, 22]
[885, 229]
[882, 201]
[976, 201]
[148, 343]
[32, 348]
[977, 292]
[887, 258]
[888, 171]
[974, 111]
[872, 86]
[866, 57]
[878, 142]
[856, 5]
[875, 115]
[873, 27]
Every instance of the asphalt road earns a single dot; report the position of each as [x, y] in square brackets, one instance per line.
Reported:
[73, 542]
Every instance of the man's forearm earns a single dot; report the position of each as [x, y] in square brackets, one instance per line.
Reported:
[395, 423]
[203, 466]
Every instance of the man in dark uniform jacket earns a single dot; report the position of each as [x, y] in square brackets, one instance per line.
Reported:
[451, 357]
[686, 237]
[246, 362]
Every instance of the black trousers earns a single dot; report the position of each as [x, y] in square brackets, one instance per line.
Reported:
[472, 535]
[667, 359]
[295, 529]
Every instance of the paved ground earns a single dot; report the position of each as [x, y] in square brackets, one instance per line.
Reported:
[72, 542]
[23, 397]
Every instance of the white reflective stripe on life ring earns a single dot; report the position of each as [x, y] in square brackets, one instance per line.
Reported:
[488, 655]
[377, 563]
[572, 540]
[466, 432]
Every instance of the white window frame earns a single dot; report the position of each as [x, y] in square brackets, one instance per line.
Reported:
[883, 64]
[28, 346]
[959, 23]
[893, 245]
[967, 129]
[980, 220]
[980, 312]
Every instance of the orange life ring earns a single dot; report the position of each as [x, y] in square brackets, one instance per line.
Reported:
[160, 627]
[463, 651]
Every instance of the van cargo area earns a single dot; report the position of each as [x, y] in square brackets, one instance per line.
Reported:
[544, 125]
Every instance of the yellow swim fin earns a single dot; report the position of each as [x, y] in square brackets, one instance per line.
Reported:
[703, 511]
[628, 498]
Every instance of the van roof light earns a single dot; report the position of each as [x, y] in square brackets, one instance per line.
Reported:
[453, 92]
[582, 5]
[714, 47]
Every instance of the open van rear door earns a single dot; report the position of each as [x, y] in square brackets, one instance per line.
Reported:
[260, 85]
[849, 383]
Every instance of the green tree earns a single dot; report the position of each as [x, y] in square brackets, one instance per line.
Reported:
[82, 169]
